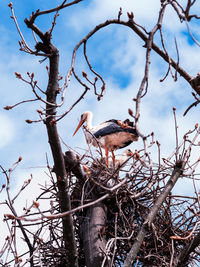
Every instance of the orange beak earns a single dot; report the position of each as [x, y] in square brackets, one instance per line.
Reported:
[79, 126]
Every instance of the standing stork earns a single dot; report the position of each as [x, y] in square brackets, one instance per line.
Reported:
[110, 135]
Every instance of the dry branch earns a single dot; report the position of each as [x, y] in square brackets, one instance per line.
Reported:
[111, 210]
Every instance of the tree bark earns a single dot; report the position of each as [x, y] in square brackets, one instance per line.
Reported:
[93, 219]
[73, 165]
[59, 164]
[92, 230]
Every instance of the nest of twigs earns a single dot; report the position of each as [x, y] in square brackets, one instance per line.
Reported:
[127, 209]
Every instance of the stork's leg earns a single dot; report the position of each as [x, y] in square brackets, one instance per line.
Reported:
[113, 157]
[106, 152]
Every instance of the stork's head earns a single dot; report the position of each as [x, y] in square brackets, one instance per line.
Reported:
[128, 153]
[85, 117]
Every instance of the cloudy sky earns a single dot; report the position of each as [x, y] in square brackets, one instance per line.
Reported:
[117, 54]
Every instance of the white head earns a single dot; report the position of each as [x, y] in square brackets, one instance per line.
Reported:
[128, 153]
[85, 117]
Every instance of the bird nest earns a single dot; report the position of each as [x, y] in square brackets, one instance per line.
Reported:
[126, 210]
[137, 186]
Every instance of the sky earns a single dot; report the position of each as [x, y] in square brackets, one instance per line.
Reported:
[117, 54]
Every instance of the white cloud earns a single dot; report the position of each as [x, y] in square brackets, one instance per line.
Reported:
[7, 130]
[99, 11]
[128, 55]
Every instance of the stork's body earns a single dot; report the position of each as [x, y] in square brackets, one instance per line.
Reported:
[110, 135]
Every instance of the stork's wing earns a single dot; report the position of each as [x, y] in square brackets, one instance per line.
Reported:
[113, 126]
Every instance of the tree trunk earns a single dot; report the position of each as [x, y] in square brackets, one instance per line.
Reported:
[92, 229]
[59, 164]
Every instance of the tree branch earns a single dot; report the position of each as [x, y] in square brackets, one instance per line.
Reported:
[183, 257]
[48, 11]
[132, 25]
[59, 164]
[153, 212]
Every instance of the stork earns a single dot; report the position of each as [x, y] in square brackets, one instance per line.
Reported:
[121, 159]
[110, 135]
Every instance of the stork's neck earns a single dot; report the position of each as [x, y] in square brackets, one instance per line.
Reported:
[89, 120]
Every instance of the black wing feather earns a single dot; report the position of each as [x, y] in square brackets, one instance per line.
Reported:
[113, 127]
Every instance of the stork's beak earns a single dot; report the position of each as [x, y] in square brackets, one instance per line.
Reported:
[79, 126]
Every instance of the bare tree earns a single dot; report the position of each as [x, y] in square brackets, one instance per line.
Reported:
[103, 215]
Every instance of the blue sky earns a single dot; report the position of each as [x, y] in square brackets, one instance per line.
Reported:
[116, 53]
